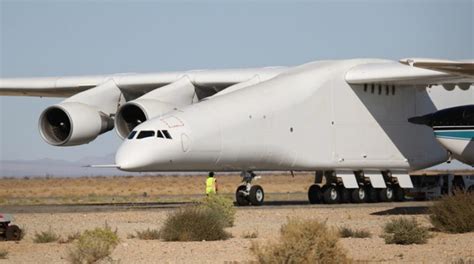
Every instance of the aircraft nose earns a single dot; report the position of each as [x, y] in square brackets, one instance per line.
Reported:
[130, 157]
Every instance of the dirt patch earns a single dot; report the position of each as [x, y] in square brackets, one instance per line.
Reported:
[442, 248]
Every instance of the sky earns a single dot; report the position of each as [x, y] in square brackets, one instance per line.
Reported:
[61, 38]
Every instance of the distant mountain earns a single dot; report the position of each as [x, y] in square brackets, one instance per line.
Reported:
[63, 168]
[59, 168]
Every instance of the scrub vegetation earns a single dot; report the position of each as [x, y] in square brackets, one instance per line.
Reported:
[302, 241]
[148, 234]
[405, 231]
[223, 206]
[355, 233]
[194, 223]
[46, 236]
[93, 245]
[454, 214]
[3, 254]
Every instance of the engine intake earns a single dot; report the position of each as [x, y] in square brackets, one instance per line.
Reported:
[138, 111]
[71, 123]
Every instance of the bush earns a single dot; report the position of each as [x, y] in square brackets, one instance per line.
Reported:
[348, 232]
[404, 232]
[3, 254]
[224, 207]
[70, 238]
[194, 224]
[45, 237]
[93, 245]
[454, 214]
[302, 241]
[149, 234]
[250, 235]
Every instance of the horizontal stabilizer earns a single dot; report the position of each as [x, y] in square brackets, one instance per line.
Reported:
[103, 166]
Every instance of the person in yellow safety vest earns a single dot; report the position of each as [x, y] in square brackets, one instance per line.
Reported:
[211, 184]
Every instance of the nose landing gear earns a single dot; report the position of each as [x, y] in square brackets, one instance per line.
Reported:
[248, 194]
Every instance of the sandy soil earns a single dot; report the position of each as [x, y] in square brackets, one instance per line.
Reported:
[443, 248]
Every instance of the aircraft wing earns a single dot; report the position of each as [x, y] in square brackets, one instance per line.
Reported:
[133, 85]
[413, 72]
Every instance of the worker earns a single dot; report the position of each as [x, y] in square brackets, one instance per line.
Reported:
[211, 184]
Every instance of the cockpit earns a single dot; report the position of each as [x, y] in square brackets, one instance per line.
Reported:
[149, 133]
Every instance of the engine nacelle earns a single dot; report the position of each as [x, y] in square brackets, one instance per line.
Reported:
[72, 123]
[138, 111]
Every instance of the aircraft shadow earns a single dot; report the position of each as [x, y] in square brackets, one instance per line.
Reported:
[404, 210]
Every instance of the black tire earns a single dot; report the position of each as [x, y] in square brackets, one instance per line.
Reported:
[256, 195]
[399, 194]
[331, 195]
[13, 233]
[345, 194]
[471, 189]
[359, 195]
[314, 194]
[386, 194]
[372, 194]
[240, 197]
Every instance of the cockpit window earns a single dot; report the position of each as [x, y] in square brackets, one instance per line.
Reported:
[145, 134]
[159, 134]
[167, 134]
[131, 135]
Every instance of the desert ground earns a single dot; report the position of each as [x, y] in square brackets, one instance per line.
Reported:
[265, 221]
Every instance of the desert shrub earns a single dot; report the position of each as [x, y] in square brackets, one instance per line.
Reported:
[404, 231]
[70, 238]
[454, 214]
[148, 234]
[3, 253]
[349, 232]
[46, 237]
[224, 207]
[93, 245]
[250, 235]
[463, 261]
[194, 224]
[302, 241]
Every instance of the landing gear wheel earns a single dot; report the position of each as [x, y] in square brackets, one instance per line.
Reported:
[331, 195]
[399, 194]
[314, 194]
[13, 232]
[240, 196]
[256, 195]
[345, 194]
[359, 195]
[386, 194]
[372, 195]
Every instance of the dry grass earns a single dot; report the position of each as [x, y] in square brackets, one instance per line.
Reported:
[454, 214]
[93, 245]
[46, 237]
[405, 231]
[3, 254]
[125, 188]
[355, 233]
[70, 238]
[148, 234]
[224, 207]
[302, 241]
[194, 224]
[250, 235]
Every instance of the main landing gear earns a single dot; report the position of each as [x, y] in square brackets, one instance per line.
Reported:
[334, 191]
[248, 194]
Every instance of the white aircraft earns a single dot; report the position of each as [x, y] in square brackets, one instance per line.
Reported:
[359, 123]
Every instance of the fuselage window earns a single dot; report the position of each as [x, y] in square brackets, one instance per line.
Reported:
[159, 134]
[167, 134]
[132, 134]
[145, 134]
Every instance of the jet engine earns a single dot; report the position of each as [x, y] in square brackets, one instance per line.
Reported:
[73, 123]
[138, 111]
[154, 104]
[454, 129]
